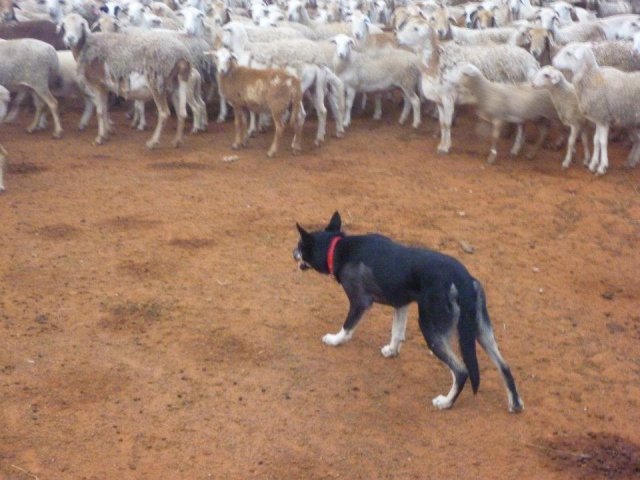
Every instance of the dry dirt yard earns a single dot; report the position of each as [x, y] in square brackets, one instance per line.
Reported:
[154, 324]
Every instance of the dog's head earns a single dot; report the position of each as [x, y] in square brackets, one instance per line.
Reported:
[313, 247]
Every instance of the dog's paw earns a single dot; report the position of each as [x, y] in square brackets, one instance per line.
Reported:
[331, 339]
[388, 351]
[442, 403]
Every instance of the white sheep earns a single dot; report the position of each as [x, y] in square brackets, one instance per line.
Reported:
[389, 68]
[501, 103]
[261, 91]
[31, 64]
[502, 63]
[130, 64]
[564, 98]
[296, 12]
[4, 104]
[606, 96]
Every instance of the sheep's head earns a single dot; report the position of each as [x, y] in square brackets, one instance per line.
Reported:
[547, 18]
[566, 12]
[106, 23]
[628, 29]
[440, 20]
[344, 44]
[135, 12]
[7, 10]
[192, 20]
[470, 14]
[539, 41]
[359, 26]
[73, 28]
[294, 11]
[224, 60]
[572, 57]
[547, 77]
[484, 19]
[466, 73]
[414, 33]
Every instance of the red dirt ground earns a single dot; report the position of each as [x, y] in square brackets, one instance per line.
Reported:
[154, 324]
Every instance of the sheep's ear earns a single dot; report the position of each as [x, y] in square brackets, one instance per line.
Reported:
[104, 9]
[116, 11]
[574, 14]
[550, 34]
[452, 20]
[333, 40]
[352, 42]
[493, 22]
[335, 224]
[226, 16]
[15, 5]
[60, 29]
[96, 26]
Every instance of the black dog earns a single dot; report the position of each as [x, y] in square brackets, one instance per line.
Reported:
[374, 269]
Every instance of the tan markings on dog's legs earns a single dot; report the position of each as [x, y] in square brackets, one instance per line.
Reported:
[339, 338]
[398, 329]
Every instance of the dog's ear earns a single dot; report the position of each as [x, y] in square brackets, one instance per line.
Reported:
[335, 224]
[304, 235]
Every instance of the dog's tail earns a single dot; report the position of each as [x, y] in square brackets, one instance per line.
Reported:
[467, 333]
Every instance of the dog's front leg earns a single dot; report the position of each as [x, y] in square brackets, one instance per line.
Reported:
[356, 311]
[398, 328]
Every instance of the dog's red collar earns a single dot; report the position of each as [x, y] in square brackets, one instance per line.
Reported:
[332, 252]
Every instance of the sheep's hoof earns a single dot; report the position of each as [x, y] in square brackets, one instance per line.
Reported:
[98, 141]
[296, 150]
[601, 171]
[318, 142]
[57, 135]
[236, 146]
[271, 154]
[220, 120]
[340, 134]
[177, 143]
[530, 156]
[592, 167]
[565, 165]
[443, 150]
[151, 144]
[416, 125]
[491, 159]
[1, 189]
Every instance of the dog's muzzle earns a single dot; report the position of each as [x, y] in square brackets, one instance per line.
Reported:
[297, 256]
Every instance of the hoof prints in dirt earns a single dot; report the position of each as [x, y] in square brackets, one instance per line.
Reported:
[134, 316]
[57, 231]
[130, 223]
[180, 166]
[595, 456]
[24, 168]
[192, 243]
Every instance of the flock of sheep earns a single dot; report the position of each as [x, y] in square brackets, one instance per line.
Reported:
[515, 61]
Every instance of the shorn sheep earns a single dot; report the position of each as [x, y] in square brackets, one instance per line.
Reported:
[500, 103]
[4, 103]
[563, 96]
[32, 65]
[260, 91]
[607, 97]
[138, 65]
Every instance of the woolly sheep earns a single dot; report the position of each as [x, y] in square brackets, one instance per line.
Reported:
[390, 68]
[144, 60]
[296, 12]
[502, 63]
[261, 91]
[563, 96]
[500, 103]
[31, 64]
[606, 96]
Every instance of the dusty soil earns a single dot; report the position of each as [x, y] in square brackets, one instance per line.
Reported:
[154, 324]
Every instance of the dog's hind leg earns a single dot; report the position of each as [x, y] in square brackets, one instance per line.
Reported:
[488, 342]
[437, 321]
[398, 328]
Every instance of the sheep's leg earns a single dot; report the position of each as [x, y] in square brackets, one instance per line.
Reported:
[237, 141]
[585, 144]
[42, 119]
[181, 108]
[377, 112]
[495, 135]
[196, 102]
[3, 164]
[544, 130]
[445, 117]
[100, 98]
[279, 129]
[518, 142]
[89, 108]
[363, 102]
[52, 103]
[600, 137]
[413, 100]
[350, 95]
[160, 99]
[320, 81]
[245, 130]
[298, 123]
[252, 125]
[15, 106]
[222, 113]
[571, 146]
[335, 88]
[406, 108]
[634, 155]
[37, 117]
[139, 121]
